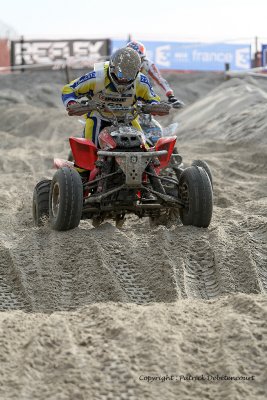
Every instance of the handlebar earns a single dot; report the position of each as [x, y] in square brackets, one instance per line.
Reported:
[130, 113]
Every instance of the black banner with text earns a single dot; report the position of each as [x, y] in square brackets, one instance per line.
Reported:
[30, 52]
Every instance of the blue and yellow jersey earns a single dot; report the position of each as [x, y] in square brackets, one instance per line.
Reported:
[98, 86]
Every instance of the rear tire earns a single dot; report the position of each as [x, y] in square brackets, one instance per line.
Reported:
[65, 199]
[196, 192]
[40, 202]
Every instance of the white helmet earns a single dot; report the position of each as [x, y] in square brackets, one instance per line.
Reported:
[124, 66]
[139, 47]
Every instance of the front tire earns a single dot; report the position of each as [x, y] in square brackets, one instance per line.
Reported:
[65, 199]
[196, 192]
[40, 202]
[205, 166]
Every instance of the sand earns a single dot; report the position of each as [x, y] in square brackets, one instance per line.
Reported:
[136, 313]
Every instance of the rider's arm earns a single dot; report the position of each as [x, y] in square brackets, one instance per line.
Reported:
[155, 74]
[144, 90]
[82, 86]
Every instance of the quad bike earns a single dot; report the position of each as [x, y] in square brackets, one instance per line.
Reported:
[152, 130]
[122, 177]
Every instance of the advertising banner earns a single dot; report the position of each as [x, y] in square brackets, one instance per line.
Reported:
[196, 56]
[51, 51]
[264, 55]
[4, 53]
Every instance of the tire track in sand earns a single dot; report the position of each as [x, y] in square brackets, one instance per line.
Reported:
[258, 240]
[192, 259]
[12, 292]
[144, 273]
[200, 274]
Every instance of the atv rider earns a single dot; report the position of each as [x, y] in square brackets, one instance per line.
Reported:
[150, 69]
[113, 82]
[150, 126]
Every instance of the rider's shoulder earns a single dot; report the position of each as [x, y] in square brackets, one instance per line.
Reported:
[143, 79]
[87, 77]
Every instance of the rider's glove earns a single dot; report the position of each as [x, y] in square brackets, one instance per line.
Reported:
[175, 102]
[171, 98]
[70, 103]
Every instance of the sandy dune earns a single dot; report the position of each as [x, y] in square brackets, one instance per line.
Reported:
[92, 313]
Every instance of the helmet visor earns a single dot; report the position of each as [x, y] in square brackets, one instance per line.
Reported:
[121, 81]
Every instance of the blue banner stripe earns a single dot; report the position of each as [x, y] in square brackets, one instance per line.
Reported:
[195, 56]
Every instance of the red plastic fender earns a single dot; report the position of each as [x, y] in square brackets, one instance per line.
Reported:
[84, 152]
[165, 143]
